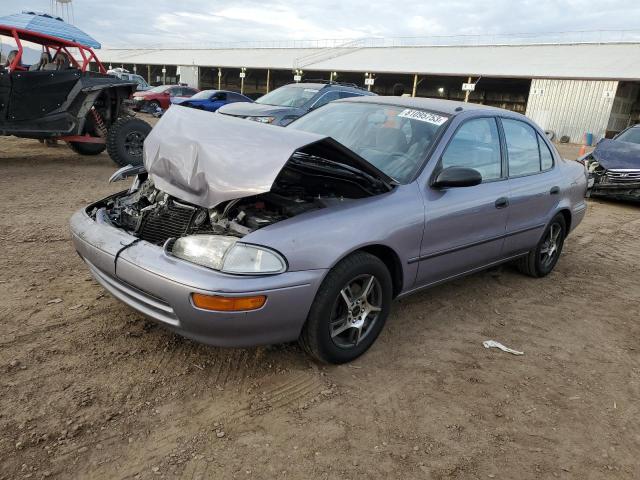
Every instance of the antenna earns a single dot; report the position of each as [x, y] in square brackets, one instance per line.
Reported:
[63, 9]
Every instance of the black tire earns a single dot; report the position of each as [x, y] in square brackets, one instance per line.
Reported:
[538, 263]
[154, 105]
[317, 337]
[124, 140]
[82, 148]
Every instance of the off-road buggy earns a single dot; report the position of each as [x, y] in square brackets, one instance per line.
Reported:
[59, 98]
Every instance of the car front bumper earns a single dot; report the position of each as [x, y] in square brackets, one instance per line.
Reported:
[624, 190]
[159, 286]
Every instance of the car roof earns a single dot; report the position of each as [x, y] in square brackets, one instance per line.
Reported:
[324, 85]
[450, 107]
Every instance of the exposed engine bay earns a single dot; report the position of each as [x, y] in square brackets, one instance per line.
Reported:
[307, 183]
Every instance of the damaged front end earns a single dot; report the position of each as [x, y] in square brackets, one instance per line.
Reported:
[606, 180]
[192, 202]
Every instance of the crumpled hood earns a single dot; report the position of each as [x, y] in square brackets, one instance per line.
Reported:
[206, 159]
[246, 109]
[614, 154]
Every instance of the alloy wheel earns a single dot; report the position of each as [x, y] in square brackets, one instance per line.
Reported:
[133, 143]
[551, 245]
[355, 311]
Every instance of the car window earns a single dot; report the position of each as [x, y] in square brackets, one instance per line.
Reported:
[234, 97]
[378, 133]
[546, 157]
[220, 96]
[175, 91]
[326, 98]
[522, 147]
[476, 144]
[289, 96]
[189, 91]
[631, 135]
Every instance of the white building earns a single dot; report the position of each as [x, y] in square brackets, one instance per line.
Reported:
[566, 85]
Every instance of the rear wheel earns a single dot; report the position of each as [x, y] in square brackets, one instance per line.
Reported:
[541, 261]
[83, 148]
[125, 140]
[349, 310]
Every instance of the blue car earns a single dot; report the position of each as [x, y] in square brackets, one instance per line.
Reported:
[210, 100]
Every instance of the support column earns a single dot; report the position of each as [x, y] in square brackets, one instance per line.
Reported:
[219, 79]
[415, 85]
[268, 78]
[243, 73]
[466, 94]
[149, 74]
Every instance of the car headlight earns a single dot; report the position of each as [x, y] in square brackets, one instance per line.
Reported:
[262, 119]
[227, 255]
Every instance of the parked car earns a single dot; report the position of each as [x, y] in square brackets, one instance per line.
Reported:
[161, 96]
[59, 98]
[210, 100]
[241, 234]
[124, 74]
[614, 166]
[283, 105]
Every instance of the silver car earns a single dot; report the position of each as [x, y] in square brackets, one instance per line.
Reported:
[237, 233]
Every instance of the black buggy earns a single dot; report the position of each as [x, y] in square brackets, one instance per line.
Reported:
[59, 98]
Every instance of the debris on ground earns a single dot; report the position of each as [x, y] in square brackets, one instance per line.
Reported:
[494, 344]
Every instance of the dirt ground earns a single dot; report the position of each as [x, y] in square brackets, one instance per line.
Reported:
[90, 389]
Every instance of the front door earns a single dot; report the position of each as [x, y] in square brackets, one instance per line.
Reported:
[465, 226]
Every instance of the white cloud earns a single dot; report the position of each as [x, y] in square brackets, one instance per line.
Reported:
[198, 22]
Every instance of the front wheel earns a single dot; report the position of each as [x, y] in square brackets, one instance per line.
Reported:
[349, 311]
[541, 261]
[125, 140]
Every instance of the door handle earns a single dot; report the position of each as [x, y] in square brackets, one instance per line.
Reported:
[554, 190]
[502, 202]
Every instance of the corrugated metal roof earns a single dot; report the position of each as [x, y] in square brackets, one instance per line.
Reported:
[580, 61]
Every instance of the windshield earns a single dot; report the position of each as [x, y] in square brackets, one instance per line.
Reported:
[288, 96]
[393, 139]
[204, 95]
[632, 135]
[159, 89]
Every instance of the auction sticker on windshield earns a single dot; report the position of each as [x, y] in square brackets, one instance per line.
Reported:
[423, 116]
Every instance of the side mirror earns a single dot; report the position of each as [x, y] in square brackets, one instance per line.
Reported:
[457, 177]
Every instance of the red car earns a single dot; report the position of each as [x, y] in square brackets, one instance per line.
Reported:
[161, 96]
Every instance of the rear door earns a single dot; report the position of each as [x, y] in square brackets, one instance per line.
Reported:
[465, 226]
[533, 183]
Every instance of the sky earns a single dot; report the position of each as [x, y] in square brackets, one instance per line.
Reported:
[126, 23]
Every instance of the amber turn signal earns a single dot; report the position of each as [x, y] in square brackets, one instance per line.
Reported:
[228, 304]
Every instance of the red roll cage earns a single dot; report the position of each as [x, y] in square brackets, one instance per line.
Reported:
[50, 44]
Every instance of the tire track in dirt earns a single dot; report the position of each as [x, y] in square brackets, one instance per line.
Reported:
[193, 427]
